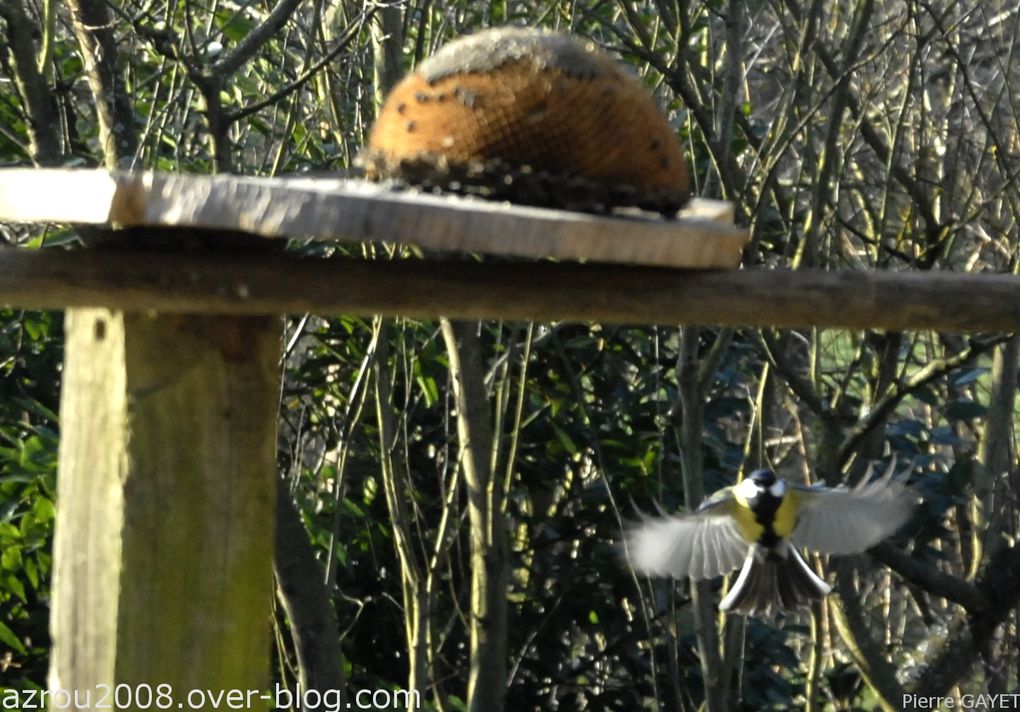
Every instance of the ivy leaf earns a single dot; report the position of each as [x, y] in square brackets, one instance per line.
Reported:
[8, 638]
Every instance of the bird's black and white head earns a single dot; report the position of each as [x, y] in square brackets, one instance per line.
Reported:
[761, 483]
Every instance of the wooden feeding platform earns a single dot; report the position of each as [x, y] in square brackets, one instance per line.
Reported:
[635, 269]
[354, 211]
[164, 544]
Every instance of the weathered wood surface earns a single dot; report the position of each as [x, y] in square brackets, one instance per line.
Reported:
[331, 208]
[462, 289]
[164, 539]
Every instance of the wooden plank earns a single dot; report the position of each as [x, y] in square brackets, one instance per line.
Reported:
[63, 196]
[331, 208]
[164, 538]
[271, 284]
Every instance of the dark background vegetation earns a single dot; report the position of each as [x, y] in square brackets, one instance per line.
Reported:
[872, 134]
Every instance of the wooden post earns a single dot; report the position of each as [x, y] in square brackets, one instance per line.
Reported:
[164, 536]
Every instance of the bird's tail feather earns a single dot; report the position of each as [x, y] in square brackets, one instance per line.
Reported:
[771, 580]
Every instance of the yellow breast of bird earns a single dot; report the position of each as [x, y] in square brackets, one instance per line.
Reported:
[786, 517]
[746, 521]
[782, 522]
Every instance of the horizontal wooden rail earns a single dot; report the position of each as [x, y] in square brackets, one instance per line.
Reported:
[277, 283]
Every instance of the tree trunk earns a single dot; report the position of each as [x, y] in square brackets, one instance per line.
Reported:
[412, 577]
[387, 50]
[41, 121]
[306, 602]
[93, 27]
[705, 616]
[489, 564]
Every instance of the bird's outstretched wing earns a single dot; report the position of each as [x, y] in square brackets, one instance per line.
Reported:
[700, 545]
[848, 521]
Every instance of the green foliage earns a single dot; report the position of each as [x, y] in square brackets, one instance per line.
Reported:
[29, 356]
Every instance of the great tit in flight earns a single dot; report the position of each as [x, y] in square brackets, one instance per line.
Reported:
[761, 522]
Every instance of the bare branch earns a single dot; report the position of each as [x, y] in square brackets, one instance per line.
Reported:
[94, 29]
[254, 40]
[37, 100]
